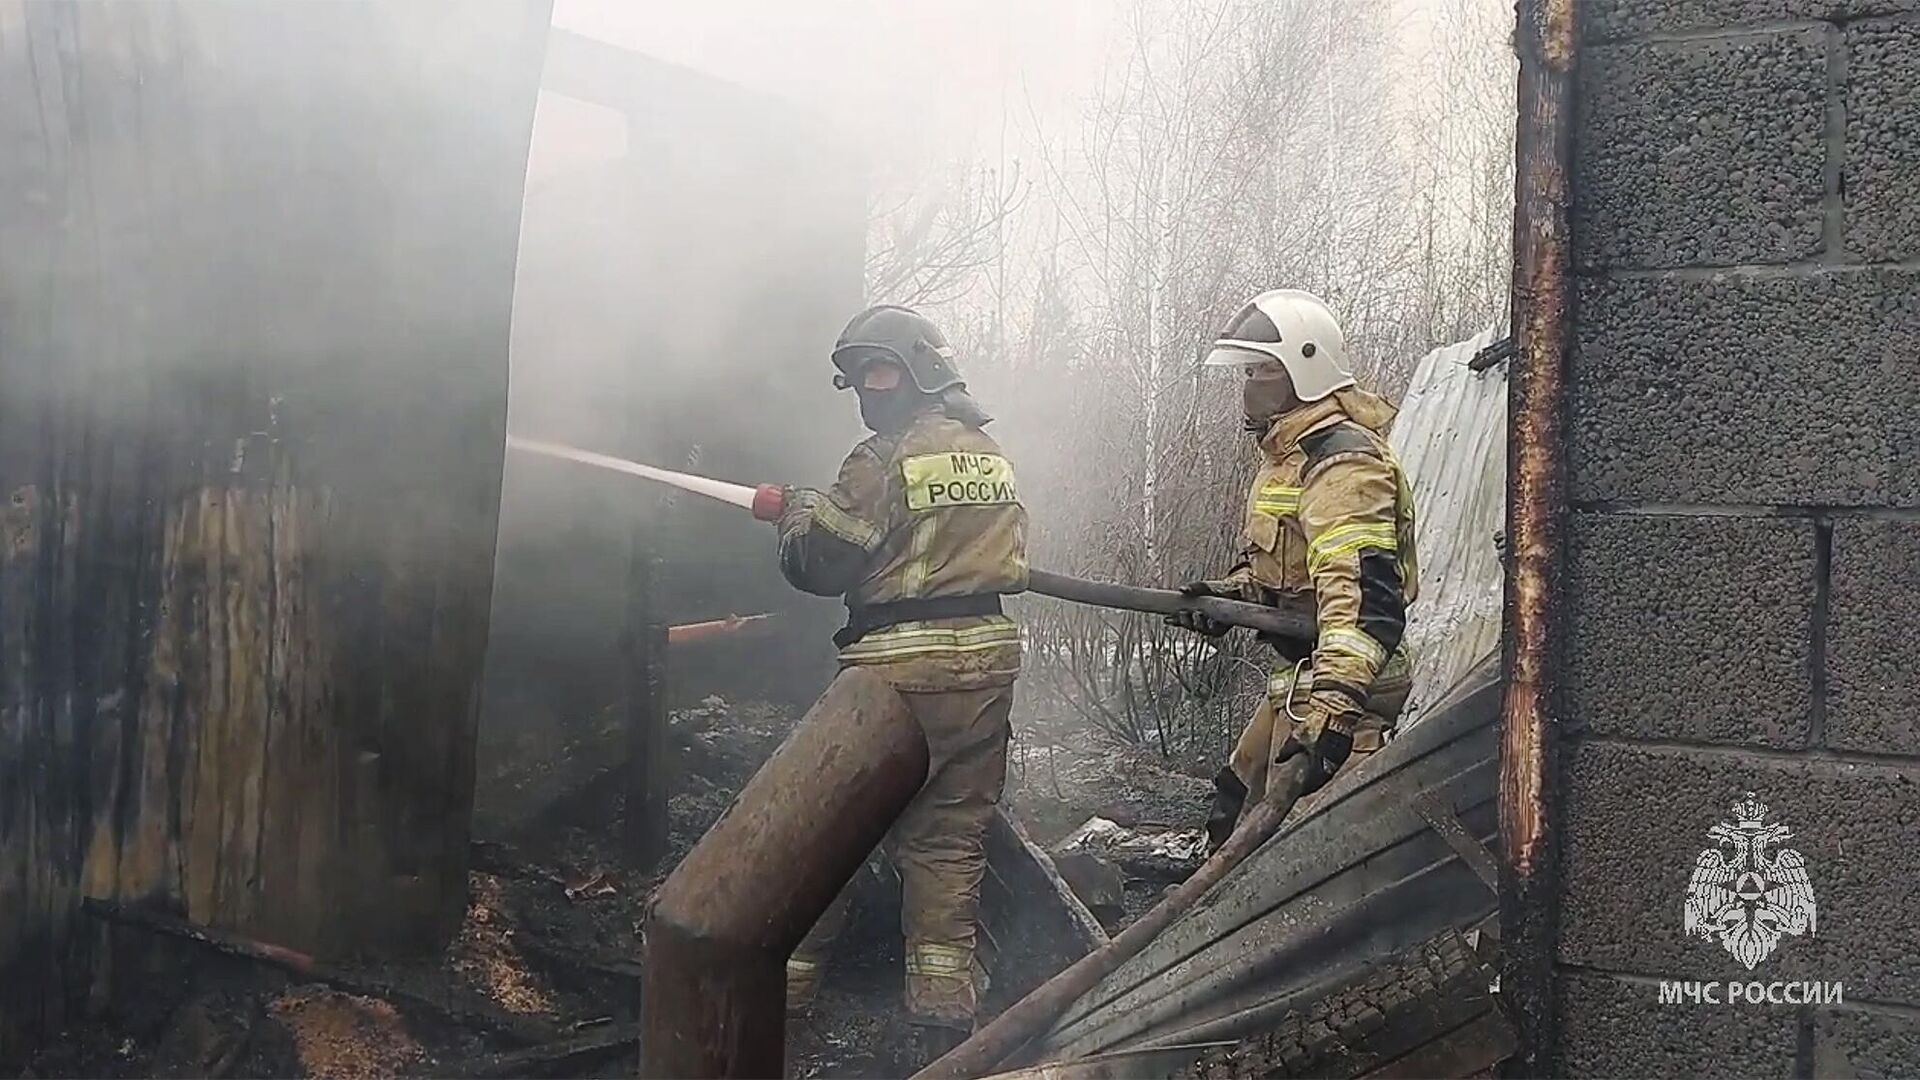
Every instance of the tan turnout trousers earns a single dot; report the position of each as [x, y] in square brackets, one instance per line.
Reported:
[1262, 738]
[937, 847]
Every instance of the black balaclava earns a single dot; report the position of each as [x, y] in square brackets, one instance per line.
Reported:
[887, 411]
[1267, 398]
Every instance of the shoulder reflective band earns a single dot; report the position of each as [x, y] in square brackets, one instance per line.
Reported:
[1277, 500]
[935, 481]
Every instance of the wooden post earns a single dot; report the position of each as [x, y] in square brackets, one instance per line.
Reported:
[645, 831]
[1535, 619]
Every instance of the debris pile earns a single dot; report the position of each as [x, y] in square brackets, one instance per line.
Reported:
[345, 1036]
[543, 976]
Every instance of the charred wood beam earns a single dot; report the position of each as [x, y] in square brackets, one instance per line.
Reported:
[558, 1058]
[1536, 521]
[577, 961]
[1010, 845]
[294, 962]
[1434, 808]
[1497, 353]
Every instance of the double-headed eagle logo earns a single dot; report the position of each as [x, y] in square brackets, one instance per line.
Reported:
[1746, 893]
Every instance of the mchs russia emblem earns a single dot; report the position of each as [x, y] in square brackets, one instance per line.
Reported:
[1748, 891]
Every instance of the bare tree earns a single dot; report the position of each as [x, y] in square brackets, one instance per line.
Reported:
[930, 245]
[1233, 146]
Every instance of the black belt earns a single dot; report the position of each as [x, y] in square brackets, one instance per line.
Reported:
[867, 618]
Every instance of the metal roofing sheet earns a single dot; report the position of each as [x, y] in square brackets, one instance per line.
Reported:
[1451, 436]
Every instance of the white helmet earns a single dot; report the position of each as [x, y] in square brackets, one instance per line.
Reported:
[1295, 328]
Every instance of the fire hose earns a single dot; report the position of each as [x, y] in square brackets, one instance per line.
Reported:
[766, 502]
[733, 964]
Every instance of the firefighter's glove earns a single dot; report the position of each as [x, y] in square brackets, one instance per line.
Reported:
[795, 502]
[1197, 621]
[1330, 751]
[1325, 737]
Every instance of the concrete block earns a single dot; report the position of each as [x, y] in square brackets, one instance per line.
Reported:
[1701, 152]
[1636, 820]
[1776, 390]
[1614, 1027]
[1873, 680]
[1865, 1045]
[1882, 165]
[1615, 19]
[1695, 628]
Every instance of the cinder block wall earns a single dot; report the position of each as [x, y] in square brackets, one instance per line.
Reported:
[1743, 576]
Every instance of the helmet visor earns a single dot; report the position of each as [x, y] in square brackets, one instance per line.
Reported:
[1228, 353]
[852, 359]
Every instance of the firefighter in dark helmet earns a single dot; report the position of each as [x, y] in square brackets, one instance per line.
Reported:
[922, 533]
[1330, 517]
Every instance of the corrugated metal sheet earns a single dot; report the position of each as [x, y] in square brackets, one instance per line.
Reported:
[1451, 436]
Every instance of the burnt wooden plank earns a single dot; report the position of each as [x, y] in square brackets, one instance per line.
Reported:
[1469, 1050]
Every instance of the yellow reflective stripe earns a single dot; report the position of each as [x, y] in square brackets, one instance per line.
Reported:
[999, 631]
[1281, 682]
[1277, 499]
[911, 639]
[860, 534]
[1353, 643]
[1348, 538]
[929, 959]
[1341, 535]
[802, 967]
[919, 542]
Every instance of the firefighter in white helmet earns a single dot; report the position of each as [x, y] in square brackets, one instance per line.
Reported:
[1330, 516]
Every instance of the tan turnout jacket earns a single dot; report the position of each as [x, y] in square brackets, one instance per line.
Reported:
[932, 511]
[1330, 514]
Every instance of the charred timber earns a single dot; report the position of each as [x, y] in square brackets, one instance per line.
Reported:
[713, 1000]
[303, 966]
[1536, 519]
[559, 1058]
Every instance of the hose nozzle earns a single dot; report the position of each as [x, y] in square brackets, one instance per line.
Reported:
[769, 502]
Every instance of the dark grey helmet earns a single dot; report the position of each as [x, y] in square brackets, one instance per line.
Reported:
[892, 332]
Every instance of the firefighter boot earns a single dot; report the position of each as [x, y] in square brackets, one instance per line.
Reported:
[809, 961]
[930, 1041]
[1229, 798]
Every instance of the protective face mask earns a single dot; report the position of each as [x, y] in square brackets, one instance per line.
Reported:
[1265, 397]
[887, 410]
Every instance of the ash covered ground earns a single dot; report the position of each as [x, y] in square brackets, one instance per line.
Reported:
[548, 953]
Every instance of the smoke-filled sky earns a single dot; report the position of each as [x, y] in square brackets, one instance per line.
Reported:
[914, 82]
[930, 75]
